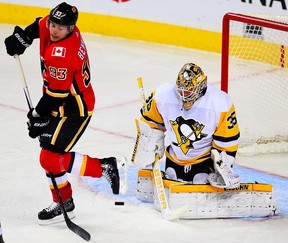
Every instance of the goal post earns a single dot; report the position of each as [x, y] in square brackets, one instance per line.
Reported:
[254, 71]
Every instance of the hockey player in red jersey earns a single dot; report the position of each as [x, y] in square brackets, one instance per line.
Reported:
[200, 123]
[66, 106]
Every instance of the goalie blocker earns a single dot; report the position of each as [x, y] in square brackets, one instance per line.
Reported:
[206, 201]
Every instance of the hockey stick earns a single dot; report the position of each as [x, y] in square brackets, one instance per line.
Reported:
[167, 213]
[24, 82]
[72, 226]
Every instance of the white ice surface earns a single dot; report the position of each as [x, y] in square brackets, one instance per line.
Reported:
[115, 66]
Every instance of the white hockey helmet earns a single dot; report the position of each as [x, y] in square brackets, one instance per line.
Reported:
[191, 84]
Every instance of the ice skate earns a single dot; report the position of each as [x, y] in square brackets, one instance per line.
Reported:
[53, 214]
[1, 239]
[110, 172]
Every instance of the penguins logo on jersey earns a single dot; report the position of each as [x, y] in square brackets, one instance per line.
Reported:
[187, 132]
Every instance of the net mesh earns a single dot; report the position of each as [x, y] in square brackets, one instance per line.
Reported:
[258, 80]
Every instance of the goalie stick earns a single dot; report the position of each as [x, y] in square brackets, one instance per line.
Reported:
[166, 211]
[72, 226]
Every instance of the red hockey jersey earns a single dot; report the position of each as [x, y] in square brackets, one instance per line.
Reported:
[66, 72]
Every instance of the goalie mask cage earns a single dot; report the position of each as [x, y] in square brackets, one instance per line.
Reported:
[254, 71]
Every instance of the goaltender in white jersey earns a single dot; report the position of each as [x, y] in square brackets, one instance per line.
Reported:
[201, 125]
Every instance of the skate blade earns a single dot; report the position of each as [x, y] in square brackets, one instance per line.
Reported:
[123, 173]
[57, 219]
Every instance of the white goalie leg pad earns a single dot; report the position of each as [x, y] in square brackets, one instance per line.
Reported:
[224, 176]
[150, 142]
[144, 190]
[205, 201]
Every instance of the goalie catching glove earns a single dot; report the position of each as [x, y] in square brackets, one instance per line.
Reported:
[148, 143]
[224, 177]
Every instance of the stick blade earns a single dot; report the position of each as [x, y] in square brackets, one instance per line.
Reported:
[172, 214]
[78, 230]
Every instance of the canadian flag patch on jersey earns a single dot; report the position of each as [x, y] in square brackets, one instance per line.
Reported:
[59, 52]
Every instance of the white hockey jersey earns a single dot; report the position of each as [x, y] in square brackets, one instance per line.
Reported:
[210, 123]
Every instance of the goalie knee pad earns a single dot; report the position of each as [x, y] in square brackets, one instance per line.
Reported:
[171, 173]
[200, 178]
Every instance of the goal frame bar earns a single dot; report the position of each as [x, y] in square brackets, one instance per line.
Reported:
[225, 38]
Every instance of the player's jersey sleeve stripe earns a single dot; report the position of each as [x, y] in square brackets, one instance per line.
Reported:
[226, 139]
[57, 94]
[232, 149]
[157, 125]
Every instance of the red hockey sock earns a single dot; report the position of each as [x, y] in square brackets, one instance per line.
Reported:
[65, 192]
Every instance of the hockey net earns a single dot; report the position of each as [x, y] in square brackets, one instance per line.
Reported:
[255, 74]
